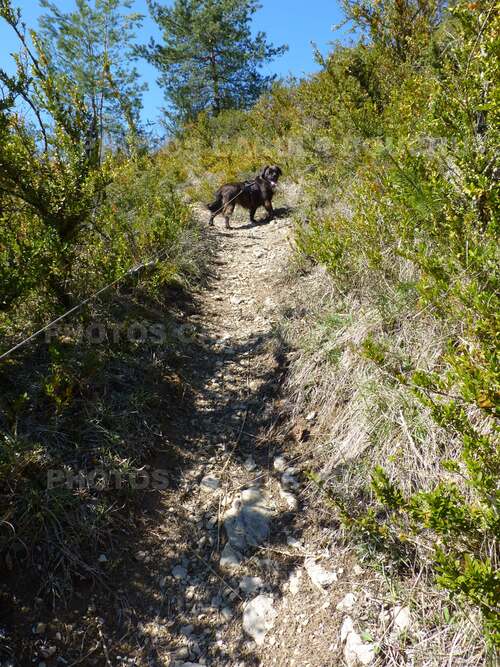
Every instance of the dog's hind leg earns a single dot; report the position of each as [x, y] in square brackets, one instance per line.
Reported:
[215, 208]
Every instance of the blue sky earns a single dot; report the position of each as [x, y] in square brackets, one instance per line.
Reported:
[293, 22]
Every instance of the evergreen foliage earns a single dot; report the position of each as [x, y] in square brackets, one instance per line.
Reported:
[92, 46]
[209, 59]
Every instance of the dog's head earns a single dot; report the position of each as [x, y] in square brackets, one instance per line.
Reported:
[271, 174]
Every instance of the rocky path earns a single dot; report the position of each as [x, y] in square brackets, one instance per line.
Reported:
[227, 575]
[238, 499]
[232, 565]
[236, 566]
[214, 567]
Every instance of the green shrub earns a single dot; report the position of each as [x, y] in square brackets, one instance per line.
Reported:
[413, 131]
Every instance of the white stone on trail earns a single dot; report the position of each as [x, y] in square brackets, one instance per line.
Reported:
[229, 558]
[250, 464]
[294, 581]
[320, 577]
[247, 521]
[250, 584]
[280, 464]
[294, 542]
[401, 617]
[269, 303]
[210, 483]
[311, 416]
[288, 479]
[258, 618]
[355, 651]
[290, 500]
[347, 602]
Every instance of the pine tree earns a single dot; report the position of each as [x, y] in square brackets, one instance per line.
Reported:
[209, 59]
[92, 46]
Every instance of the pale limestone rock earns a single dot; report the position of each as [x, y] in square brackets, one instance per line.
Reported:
[401, 617]
[229, 558]
[250, 584]
[356, 652]
[210, 483]
[247, 521]
[320, 577]
[294, 581]
[347, 602]
[258, 618]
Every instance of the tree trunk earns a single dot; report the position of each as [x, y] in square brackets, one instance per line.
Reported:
[215, 83]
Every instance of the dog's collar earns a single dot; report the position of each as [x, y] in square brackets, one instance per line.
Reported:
[273, 184]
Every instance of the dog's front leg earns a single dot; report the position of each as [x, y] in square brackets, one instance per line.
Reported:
[228, 212]
[269, 208]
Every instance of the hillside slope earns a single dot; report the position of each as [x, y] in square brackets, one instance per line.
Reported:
[354, 340]
[236, 562]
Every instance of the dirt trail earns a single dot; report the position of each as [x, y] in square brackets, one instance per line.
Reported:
[199, 570]
[221, 536]
[232, 565]
[235, 564]
[219, 568]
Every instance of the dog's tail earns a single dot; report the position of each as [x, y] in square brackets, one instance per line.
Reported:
[217, 204]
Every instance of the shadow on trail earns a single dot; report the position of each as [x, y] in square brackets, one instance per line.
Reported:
[214, 426]
[279, 214]
[156, 589]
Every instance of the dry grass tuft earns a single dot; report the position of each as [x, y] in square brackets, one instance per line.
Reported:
[362, 418]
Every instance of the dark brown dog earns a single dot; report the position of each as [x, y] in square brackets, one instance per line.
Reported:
[250, 195]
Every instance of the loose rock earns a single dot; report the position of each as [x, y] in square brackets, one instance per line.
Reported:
[355, 651]
[293, 542]
[288, 479]
[179, 572]
[294, 581]
[250, 464]
[280, 464]
[229, 558]
[210, 483]
[247, 521]
[320, 577]
[258, 618]
[250, 584]
[347, 602]
[290, 499]
[401, 617]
